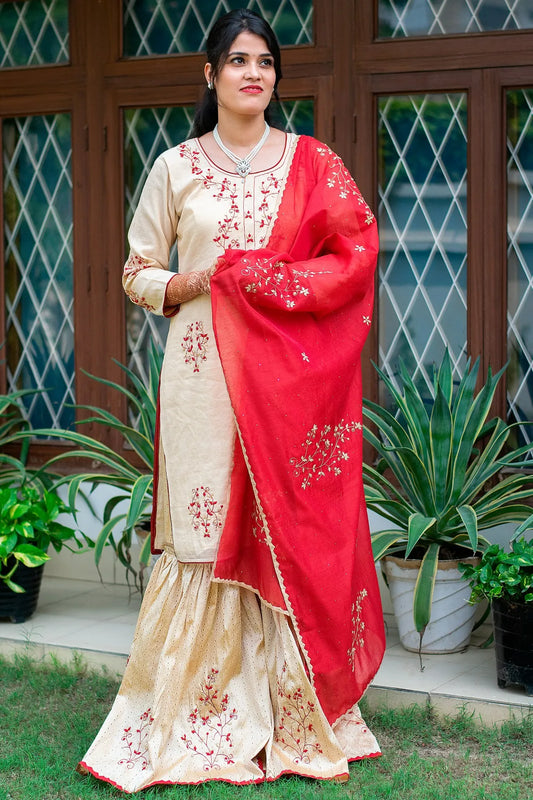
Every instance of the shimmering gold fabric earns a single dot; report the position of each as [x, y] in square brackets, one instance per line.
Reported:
[215, 689]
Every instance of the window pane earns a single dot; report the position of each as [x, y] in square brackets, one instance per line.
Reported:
[38, 264]
[159, 27]
[422, 221]
[520, 258]
[147, 132]
[33, 32]
[399, 18]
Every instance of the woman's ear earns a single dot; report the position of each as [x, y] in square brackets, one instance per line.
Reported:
[208, 72]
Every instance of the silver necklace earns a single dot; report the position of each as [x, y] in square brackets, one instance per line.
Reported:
[242, 165]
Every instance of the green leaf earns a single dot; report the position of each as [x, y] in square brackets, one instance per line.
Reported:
[469, 517]
[382, 541]
[424, 587]
[139, 500]
[526, 525]
[418, 525]
[30, 555]
[441, 444]
[105, 534]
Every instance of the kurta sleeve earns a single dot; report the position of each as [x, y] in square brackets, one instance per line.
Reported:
[151, 235]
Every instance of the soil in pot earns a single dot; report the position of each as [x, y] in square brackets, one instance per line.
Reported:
[513, 638]
[19, 607]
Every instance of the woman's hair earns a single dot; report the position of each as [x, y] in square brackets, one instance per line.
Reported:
[219, 41]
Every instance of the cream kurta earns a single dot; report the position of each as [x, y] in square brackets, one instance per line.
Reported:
[215, 687]
[208, 209]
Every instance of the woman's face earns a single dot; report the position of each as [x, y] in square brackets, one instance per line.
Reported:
[246, 79]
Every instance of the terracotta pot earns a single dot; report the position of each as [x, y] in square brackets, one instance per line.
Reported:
[452, 617]
[19, 607]
[513, 638]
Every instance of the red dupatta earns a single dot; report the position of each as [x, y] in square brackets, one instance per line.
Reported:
[290, 321]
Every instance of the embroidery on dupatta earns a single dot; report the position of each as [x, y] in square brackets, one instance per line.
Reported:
[341, 178]
[323, 451]
[194, 345]
[136, 742]
[205, 511]
[258, 526]
[295, 731]
[277, 280]
[358, 627]
[210, 720]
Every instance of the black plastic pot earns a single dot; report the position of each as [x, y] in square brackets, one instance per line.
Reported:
[513, 637]
[19, 607]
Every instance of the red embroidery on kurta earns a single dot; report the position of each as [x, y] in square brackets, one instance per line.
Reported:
[295, 730]
[136, 743]
[139, 300]
[206, 513]
[136, 264]
[194, 345]
[210, 720]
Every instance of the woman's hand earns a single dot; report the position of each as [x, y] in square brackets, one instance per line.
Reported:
[186, 286]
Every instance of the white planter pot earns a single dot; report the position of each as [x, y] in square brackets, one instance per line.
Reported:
[452, 618]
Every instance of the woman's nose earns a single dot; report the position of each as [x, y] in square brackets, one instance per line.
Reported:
[252, 72]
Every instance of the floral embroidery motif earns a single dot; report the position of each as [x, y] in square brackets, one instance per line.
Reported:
[278, 280]
[323, 451]
[206, 513]
[366, 320]
[269, 189]
[358, 627]
[295, 730]
[258, 527]
[135, 264]
[209, 737]
[186, 151]
[136, 743]
[140, 300]
[194, 345]
[341, 177]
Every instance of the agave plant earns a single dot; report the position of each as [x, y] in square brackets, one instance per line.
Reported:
[133, 483]
[447, 464]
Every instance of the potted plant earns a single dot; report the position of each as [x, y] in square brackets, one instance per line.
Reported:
[28, 527]
[439, 479]
[127, 513]
[29, 509]
[505, 579]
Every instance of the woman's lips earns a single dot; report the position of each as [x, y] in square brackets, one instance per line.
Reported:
[252, 89]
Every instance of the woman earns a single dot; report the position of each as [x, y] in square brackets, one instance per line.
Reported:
[261, 626]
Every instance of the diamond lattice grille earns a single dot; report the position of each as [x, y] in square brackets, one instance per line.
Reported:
[520, 257]
[149, 131]
[399, 18]
[33, 32]
[159, 27]
[38, 258]
[422, 219]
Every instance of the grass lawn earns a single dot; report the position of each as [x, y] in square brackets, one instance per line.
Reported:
[50, 713]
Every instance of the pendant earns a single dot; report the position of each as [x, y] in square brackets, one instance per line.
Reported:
[243, 167]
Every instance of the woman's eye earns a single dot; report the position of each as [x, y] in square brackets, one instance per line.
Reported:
[267, 62]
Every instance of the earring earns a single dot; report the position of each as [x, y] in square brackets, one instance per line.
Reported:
[210, 85]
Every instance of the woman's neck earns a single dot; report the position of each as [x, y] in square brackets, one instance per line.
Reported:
[240, 133]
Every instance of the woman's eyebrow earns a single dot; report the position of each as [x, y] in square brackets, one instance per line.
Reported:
[240, 53]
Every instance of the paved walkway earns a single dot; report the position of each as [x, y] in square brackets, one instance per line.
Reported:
[98, 621]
